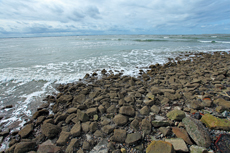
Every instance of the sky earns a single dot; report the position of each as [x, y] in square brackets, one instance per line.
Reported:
[19, 18]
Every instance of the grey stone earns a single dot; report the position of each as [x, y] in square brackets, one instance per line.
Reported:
[197, 132]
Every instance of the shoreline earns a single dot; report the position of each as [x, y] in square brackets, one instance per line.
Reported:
[122, 111]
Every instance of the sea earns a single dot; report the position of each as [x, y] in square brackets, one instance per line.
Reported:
[30, 68]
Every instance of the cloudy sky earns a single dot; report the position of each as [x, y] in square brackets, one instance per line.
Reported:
[88, 17]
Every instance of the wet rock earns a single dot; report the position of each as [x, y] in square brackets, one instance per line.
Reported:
[146, 126]
[176, 115]
[50, 130]
[160, 147]
[26, 130]
[42, 112]
[120, 119]
[198, 149]
[23, 147]
[197, 132]
[127, 110]
[133, 138]
[48, 147]
[119, 135]
[74, 143]
[63, 138]
[178, 144]
[215, 123]
[182, 133]
[144, 110]
[65, 99]
[76, 130]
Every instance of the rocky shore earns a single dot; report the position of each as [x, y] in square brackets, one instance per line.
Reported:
[181, 106]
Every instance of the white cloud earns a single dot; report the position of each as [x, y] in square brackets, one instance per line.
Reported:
[37, 16]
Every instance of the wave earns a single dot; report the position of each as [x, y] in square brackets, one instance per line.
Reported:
[212, 41]
[149, 40]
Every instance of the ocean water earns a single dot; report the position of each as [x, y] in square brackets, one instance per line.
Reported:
[31, 67]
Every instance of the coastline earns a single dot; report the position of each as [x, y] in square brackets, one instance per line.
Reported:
[123, 111]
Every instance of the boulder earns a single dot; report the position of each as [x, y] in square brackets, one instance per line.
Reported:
[146, 126]
[155, 109]
[160, 123]
[178, 144]
[176, 115]
[76, 130]
[50, 130]
[182, 133]
[48, 147]
[85, 127]
[91, 111]
[82, 116]
[120, 119]
[23, 147]
[71, 110]
[42, 112]
[74, 143]
[70, 117]
[93, 127]
[65, 99]
[144, 110]
[215, 123]
[133, 138]
[107, 129]
[119, 135]
[63, 138]
[165, 131]
[26, 130]
[101, 147]
[112, 109]
[160, 147]
[222, 102]
[79, 99]
[198, 149]
[127, 110]
[197, 132]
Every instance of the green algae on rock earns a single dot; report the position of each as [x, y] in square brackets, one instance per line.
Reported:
[213, 122]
